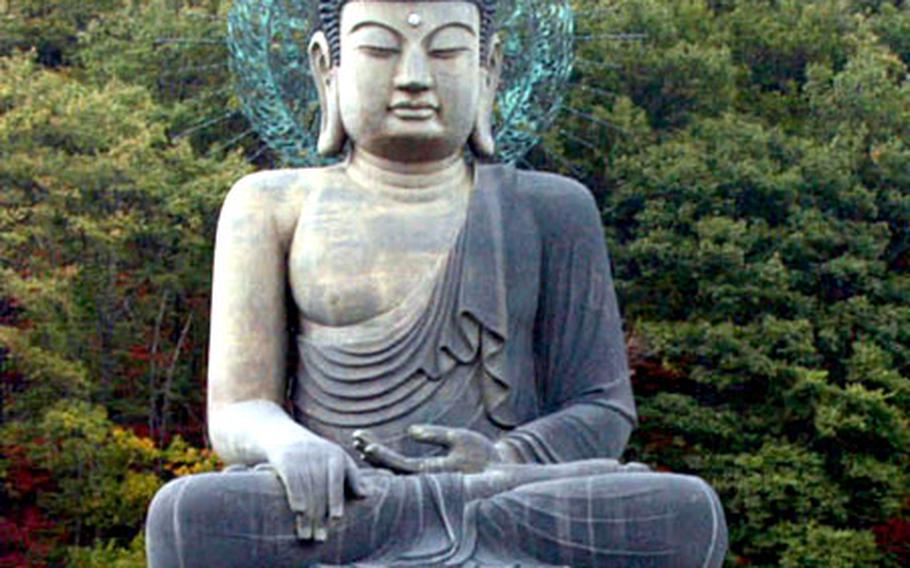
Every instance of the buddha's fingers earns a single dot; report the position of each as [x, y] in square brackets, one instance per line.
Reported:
[429, 434]
[382, 456]
[296, 484]
[354, 479]
[335, 487]
[444, 464]
[362, 439]
[318, 511]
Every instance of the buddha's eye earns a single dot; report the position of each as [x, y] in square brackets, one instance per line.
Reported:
[450, 42]
[376, 41]
[448, 52]
[381, 51]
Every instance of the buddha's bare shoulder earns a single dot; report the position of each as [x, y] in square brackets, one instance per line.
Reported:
[274, 198]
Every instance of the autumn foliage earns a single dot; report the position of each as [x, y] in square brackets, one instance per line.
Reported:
[753, 165]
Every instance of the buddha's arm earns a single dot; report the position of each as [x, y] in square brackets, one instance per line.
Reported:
[246, 379]
[247, 422]
[582, 367]
[580, 432]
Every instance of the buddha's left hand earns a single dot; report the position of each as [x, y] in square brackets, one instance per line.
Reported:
[469, 452]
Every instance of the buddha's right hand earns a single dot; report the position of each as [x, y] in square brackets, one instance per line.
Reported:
[315, 474]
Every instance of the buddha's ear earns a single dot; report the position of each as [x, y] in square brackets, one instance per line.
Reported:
[331, 130]
[482, 142]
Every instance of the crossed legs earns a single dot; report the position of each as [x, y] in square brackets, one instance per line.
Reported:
[550, 518]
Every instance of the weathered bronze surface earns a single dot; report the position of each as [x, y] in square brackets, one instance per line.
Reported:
[461, 392]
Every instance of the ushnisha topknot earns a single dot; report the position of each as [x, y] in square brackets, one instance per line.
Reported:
[330, 23]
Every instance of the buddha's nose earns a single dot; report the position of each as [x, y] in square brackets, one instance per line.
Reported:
[414, 72]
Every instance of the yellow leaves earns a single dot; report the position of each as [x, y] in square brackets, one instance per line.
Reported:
[876, 154]
[45, 181]
[68, 271]
[104, 475]
[183, 459]
[184, 470]
[139, 487]
[133, 444]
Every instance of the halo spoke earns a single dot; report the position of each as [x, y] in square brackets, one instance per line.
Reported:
[595, 120]
[206, 123]
[613, 36]
[561, 161]
[266, 41]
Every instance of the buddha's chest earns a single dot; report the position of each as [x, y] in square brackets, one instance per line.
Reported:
[353, 258]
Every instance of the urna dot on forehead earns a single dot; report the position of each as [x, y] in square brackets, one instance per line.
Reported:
[330, 21]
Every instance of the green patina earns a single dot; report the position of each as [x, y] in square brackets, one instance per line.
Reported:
[267, 41]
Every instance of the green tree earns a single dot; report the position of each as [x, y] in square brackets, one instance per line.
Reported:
[106, 228]
[755, 193]
[106, 224]
[51, 28]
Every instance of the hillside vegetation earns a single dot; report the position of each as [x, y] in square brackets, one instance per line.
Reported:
[752, 159]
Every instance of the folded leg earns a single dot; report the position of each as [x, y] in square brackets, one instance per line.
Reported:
[242, 519]
[622, 519]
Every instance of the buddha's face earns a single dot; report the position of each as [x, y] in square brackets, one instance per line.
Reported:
[410, 77]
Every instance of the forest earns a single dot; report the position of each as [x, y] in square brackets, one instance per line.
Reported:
[752, 162]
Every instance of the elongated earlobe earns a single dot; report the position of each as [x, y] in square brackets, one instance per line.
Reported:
[482, 142]
[332, 136]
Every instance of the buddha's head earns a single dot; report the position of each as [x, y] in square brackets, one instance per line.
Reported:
[406, 81]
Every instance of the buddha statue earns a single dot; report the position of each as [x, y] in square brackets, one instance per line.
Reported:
[458, 392]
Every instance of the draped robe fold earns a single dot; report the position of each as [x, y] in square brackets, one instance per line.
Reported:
[517, 334]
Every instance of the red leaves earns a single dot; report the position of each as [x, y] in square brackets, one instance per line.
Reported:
[28, 481]
[9, 533]
[140, 429]
[649, 375]
[143, 354]
[140, 353]
[13, 560]
[27, 537]
[34, 522]
[27, 540]
[22, 476]
[9, 377]
[10, 310]
[894, 537]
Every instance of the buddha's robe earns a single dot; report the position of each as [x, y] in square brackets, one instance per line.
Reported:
[517, 336]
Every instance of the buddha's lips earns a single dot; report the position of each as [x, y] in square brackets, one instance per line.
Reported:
[413, 111]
